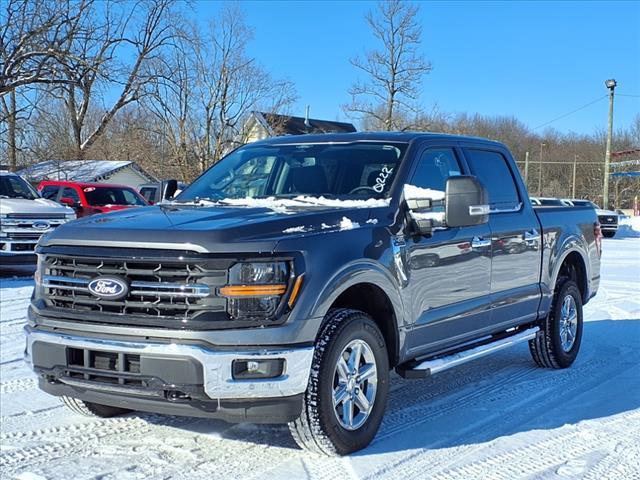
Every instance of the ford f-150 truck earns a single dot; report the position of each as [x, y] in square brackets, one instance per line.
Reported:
[286, 282]
[24, 218]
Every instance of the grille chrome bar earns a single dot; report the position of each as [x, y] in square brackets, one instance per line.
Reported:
[137, 288]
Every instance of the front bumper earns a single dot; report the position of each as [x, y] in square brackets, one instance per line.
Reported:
[212, 368]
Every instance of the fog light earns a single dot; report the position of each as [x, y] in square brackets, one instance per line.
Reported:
[268, 368]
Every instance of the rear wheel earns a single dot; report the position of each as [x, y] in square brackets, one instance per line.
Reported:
[90, 409]
[348, 386]
[558, 342]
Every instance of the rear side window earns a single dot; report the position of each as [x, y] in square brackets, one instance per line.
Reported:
[149, 193]
[493, 171]
[71, 193]
[50, 192]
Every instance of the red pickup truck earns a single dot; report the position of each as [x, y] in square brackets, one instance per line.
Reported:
[90, 198]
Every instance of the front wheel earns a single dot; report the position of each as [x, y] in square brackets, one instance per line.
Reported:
[348, 386]
[558, 342]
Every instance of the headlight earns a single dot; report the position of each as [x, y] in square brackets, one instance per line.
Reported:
[69, 216]
[255, 289]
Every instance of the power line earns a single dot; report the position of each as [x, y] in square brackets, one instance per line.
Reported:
[572, 112]
[627, 95]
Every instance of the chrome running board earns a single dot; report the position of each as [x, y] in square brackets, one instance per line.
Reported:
[433, 366]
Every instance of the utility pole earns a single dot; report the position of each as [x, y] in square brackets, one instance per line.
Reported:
[526, 169]
[540, 171]
[573, 188]
[611, 85]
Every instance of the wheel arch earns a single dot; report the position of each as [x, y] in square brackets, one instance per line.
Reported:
[368, 288]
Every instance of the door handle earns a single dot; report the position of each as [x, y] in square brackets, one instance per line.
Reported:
[479, 242]
[531, 236]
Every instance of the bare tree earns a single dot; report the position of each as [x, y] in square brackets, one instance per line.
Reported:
[231, 83]
[35, 37]
[97, 65]
[393, 73]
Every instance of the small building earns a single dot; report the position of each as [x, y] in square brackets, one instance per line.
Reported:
[261, 125]
[88, 171]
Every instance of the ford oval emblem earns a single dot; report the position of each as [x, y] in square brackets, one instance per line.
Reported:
[109, 288]
[41, 225]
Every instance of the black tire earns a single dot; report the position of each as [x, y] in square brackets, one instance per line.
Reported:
[90, 409]
[318, 429]
[546, 349]
[608, 234]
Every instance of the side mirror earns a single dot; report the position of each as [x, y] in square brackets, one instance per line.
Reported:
[466, 202]
[419, 204]
[69, 202]
[169, 189]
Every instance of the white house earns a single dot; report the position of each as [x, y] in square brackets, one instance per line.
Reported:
[89, 171]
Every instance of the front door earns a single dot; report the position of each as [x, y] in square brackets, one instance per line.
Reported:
[448, 272]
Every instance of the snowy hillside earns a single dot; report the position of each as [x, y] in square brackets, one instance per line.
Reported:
[499, 417]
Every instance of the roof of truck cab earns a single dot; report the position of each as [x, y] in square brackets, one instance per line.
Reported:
[64, 183]
[402, 137]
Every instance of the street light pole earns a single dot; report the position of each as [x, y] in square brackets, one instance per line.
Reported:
[611, 85]
[526, 169]
[540, 171]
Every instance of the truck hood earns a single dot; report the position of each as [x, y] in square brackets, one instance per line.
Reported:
[600, 211]
[39, 205]
[206, 229]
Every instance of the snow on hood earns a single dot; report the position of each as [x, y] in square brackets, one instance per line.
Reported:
[281, 205]
[39, 205]
[600, 211]
[345, 224]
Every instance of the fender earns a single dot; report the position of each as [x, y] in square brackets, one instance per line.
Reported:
[356, 272]
[555, 256]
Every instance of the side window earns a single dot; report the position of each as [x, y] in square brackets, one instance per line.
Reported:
[50, 192]
[493, 171]
[71, 193]
[148, 193]
[434, 167]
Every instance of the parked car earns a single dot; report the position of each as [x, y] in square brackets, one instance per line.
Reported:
[24, 218]
[286, 281]
[159, 191]
[608, 219]
[91, 198]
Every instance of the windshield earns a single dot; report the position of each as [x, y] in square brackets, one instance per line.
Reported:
[585, 203]
[100, 196]
[360, 170]
[12, 186]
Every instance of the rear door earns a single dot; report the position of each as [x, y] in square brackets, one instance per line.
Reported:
[515, 238]
[449, 271]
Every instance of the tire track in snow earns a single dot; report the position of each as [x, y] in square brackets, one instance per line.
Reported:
[18, 385]
[542, 397]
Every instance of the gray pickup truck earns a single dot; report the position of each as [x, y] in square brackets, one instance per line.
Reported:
[288, 280]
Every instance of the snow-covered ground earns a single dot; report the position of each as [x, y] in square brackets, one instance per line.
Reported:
[496, 418]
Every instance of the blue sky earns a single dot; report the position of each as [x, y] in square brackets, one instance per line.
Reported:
[534, 60]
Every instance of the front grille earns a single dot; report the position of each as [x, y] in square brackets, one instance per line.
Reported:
[175, 289]
[38, 216]
[608, 220]
[24, 235]
[106, 367]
